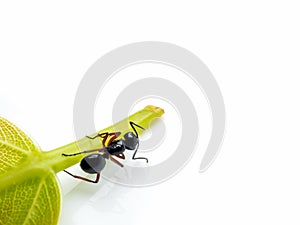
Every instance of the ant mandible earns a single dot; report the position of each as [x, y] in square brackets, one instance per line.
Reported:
[94, 163]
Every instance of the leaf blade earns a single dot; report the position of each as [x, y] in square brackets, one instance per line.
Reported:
[15, 136]
[29, 191]
[42, 195]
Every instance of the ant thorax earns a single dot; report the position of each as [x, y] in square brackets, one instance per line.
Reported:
[116, 147]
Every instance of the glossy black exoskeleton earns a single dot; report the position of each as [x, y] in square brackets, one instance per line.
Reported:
[95, 163]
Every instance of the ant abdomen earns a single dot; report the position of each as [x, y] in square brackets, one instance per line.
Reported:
[93, 163]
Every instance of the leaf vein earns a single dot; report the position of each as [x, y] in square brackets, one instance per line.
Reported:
[34, 200]
[14, 146]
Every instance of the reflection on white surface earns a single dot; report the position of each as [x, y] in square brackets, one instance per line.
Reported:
[102, 203]
[171, 202]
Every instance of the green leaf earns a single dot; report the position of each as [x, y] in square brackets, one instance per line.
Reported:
[29, 192]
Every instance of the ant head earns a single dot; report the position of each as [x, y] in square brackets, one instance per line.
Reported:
[93, 163]
[131, 141]
[116, 147]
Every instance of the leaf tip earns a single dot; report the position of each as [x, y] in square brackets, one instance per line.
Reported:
[159, 111]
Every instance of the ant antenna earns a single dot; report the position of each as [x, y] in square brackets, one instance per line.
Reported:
[132, 124]
[134, 158]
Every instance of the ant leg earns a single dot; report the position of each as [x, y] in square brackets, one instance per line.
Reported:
[98, 135]
[85, 179]
[121, 156]
[100, 150]
[114, 135]
[92, 137]
[132, 124]
[101, 135]
[105, 136]
[116, 161]
[135, 158]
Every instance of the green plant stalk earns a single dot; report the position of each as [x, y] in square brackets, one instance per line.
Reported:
[55, 160]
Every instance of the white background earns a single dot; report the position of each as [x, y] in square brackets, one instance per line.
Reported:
[251, 47]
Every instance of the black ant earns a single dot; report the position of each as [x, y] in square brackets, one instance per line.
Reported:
[94, 163]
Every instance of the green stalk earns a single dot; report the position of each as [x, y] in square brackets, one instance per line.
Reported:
[57, 162]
